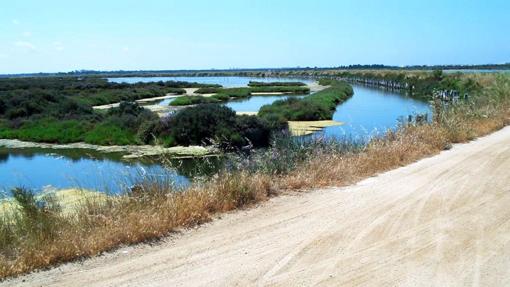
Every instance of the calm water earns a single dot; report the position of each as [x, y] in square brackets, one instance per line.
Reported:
[228, 82]
[39, 169]
[368, 111]
[166, 102]
[254, 103]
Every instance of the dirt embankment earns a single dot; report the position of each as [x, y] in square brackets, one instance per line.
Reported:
[443, 221]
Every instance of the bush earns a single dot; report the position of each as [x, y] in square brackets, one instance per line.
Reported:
[3, 106]
[293, 109]
[108, 133]
[70, 109]
[193, 100]
[325, 81]
[254, 130]
[207, 90]
[216, 124]
[236, 92]
[281, 89]
[129, 115]
[48, 130]
[221, 97]
[147, 132]
[319, 106]
[202, 124]
[126, 108]
[275, 84]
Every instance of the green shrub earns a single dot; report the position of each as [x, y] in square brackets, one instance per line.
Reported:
[253, 129]
[3, 106]
[202, 124]
[48, 130]
[221, 97]
[216, 124]
[281, 89]
[129, 115]
[168, 141]
[193, 100]
[110, 134]
[318, 106]
[147, 132]
[236, 92]
[274, 84]
[207, 90]
[325, 81]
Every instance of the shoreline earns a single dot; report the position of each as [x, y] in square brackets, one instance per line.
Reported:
[189, 92]
[304, 128]
[145, 100]
[161, 110]
[129, 151]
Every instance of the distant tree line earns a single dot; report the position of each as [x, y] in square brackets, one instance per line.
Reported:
[256, 71]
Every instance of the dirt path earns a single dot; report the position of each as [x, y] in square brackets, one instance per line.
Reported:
[443, 221]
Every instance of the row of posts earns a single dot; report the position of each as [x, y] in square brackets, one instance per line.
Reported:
[452, 96]
[418, 119]
[392, 85]
[445, 96]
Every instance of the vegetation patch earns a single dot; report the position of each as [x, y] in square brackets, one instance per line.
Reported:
[47, 130]
[193, 100]
[418, 84]
[316, 107]
[235, 92]
[297, 90]
[211, 124]
[59, 110]
[208, 90]
[274, 84]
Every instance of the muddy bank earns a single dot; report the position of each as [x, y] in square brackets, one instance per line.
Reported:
[303, 128]
[129, 151]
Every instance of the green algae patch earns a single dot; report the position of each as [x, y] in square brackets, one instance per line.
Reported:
[302, 128]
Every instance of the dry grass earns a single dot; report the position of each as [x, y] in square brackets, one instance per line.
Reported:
[41, 237]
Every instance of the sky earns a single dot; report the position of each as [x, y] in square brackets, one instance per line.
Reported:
[63, 35]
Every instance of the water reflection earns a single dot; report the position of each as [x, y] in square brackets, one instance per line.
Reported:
[39, 168]
[372, 111]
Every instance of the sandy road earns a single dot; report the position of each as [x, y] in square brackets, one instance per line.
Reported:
[443, 221]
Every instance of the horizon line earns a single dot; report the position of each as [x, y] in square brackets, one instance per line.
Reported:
[504, 66]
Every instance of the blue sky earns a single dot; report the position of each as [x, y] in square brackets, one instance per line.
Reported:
[58, 35]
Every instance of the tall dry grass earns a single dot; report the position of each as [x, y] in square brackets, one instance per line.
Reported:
[40, 235]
